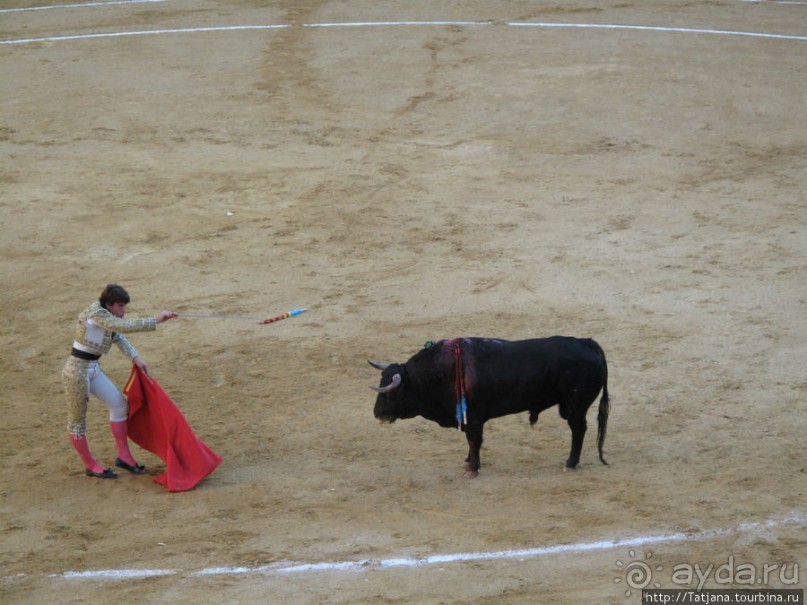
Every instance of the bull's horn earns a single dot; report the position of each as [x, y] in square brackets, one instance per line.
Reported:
[379, 366]
[396, 382]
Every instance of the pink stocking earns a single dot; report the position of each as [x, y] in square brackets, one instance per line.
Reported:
[121, 432]
[83, 449]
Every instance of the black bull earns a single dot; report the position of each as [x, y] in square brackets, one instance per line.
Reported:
[496, 378]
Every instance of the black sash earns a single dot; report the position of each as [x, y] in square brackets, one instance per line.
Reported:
[84, 355]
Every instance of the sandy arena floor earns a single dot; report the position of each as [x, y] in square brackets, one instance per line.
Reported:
[411, 171]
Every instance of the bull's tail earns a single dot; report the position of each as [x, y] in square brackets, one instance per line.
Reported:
[605, 405]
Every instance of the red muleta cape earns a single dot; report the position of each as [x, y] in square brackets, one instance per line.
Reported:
[157, 425]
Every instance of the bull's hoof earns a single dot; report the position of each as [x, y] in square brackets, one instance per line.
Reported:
[567, 469]
[470, 471]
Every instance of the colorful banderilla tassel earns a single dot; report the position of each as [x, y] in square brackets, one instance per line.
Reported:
[459, 385]
[462, 413]
[284, 316]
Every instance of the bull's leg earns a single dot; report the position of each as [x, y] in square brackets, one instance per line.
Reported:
[473, 433]
[578, 426]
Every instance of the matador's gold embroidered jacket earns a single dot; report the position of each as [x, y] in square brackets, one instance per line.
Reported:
[97, 329]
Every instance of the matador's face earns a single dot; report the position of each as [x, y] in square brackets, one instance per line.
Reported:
[117, 309]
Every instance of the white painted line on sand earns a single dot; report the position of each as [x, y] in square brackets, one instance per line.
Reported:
[152, 32]
[409, 24]
[85, 5]
[794, 520]
[685, 30]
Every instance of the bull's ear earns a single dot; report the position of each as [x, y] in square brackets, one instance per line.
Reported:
[379, 366]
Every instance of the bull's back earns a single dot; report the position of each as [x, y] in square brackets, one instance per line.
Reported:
[513, 376]
[537, 350]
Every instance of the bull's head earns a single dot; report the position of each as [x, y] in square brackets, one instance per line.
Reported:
[391, 402]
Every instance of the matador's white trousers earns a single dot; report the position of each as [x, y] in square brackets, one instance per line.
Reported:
[82, 378]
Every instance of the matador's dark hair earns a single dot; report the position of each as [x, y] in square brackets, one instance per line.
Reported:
[113, 293]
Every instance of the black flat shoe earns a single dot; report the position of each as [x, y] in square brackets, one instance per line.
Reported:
[107, 473]
[137, 469]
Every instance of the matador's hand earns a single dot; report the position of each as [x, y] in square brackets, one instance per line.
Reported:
[165, 316]
[144, 367]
